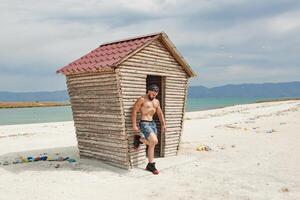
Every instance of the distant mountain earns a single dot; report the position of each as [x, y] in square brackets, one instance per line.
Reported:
[270, 90]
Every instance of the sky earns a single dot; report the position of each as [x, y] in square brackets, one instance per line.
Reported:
[224, 41]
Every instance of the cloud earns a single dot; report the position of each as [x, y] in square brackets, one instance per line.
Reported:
[222, 40]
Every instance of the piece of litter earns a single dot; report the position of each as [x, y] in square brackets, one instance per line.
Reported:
[284, 189]
[70, 160]
[270, 131]
[37, 158]
[203, 147]
[44, 158]
[60, 158]
[30, 159]
[5, 163]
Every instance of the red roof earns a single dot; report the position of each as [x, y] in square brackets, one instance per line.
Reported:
[107, 55]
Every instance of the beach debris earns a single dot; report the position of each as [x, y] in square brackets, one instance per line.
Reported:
[30, 159]
[17, 160]
[203, 147]
[71, 160]
[232, 126]
[37, 159]
[24, 160]
[284, 189]
[60, 158]
[57, 166]
[233, 146]
[270, 131]
[49, 158]
[6, 163]
[43, 158]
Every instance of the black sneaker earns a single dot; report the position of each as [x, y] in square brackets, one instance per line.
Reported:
[151, 167]
[136, 142]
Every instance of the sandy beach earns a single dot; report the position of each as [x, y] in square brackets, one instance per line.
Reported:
[255, 154]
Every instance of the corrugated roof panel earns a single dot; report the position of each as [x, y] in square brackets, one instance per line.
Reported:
[107, 55]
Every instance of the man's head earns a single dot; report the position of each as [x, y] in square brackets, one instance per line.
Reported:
[152, 91]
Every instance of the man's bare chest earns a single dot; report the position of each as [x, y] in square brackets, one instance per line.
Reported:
[148, 106]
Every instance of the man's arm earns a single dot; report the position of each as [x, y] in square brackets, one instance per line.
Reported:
[136, 107]
[161, 117]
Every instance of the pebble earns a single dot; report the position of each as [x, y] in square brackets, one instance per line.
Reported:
[270, 131]
[284, 189]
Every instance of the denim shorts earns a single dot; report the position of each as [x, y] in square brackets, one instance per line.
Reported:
[147, 127]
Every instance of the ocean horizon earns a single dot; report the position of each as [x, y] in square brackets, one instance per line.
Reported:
[10, 116]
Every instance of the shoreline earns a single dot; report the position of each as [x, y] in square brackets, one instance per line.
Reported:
[256, 102]
[29, 104]
[276, 100]
[8, 105]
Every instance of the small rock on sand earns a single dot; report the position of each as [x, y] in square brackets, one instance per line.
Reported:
[284, 189]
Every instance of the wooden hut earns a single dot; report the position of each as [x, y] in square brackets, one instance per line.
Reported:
[103, 86]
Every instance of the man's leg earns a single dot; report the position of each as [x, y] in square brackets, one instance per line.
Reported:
[152, 141]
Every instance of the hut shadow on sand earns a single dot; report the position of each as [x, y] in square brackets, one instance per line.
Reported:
[85, 165]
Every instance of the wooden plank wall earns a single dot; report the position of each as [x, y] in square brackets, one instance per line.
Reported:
[154, 59]
[98, 117]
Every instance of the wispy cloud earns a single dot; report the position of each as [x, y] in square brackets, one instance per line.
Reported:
[225, 42]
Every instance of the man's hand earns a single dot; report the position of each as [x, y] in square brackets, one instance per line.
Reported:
[135, 129]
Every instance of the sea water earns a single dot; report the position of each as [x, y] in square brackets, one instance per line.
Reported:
[64, 113]
[35, 115]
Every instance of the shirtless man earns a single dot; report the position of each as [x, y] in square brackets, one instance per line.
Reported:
[148, 105]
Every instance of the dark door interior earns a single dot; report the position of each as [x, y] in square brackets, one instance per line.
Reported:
[160, 82]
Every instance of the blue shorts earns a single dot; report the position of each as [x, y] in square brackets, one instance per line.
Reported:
[147, 127]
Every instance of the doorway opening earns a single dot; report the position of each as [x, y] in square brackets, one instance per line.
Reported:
[160, 82]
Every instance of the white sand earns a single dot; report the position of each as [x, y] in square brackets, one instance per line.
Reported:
[255, 155]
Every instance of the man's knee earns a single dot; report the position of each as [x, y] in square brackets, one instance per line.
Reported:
[153, 139]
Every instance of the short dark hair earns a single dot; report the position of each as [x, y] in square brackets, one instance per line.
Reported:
[153, 87]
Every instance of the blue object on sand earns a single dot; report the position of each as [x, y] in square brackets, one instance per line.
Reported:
[30, 159]
[43, 158]
[71, 160]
